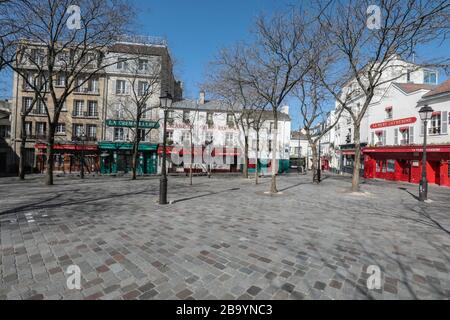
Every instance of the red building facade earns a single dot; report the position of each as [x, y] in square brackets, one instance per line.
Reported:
[404, 163]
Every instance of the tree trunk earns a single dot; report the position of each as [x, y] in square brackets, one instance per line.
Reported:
[257, 157]
[135, 160]
[357, 163]
[315, 157]
[273, 184]
[23, 137]
[245, 168]
[49, 160]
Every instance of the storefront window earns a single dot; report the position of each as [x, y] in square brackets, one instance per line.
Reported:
[391, 166]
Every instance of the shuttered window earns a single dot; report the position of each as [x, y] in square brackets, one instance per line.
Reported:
[444, 122]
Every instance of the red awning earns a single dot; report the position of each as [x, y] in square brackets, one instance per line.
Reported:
[404, 128]
[225, 152]
[71, 147]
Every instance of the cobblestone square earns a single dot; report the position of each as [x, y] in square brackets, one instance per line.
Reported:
[222, 238]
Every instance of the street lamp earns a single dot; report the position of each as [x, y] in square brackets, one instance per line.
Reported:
[166, 103]
[425, 114]
[319, 167]
[83, 139]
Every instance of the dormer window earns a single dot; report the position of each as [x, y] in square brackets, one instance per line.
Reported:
[389, 113]
[430, 77]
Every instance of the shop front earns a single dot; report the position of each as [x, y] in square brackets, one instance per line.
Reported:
[405, 164]
[117, 157]
[67, 158]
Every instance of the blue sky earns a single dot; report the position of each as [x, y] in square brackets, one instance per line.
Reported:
[196, 29]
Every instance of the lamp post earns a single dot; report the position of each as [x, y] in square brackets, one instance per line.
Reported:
[425, 114]
[83, 139]
[319, 164]
[166, 103]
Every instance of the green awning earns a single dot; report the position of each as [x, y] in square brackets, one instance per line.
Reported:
[108, 145]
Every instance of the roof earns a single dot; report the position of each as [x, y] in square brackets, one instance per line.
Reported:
[413, 87]
[219, 106]
[141, 49]
[443, 88]
[297, 135]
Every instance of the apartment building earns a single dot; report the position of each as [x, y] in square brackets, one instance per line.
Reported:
[396, 134]
[212, 129]
[142, 74]
[91, 124]
[342, 136]
[77, 131]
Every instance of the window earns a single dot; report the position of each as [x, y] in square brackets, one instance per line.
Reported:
[169, 137]
[435, 123]
[120, 87]
[186, 116]
[28, 128]
[208, 138]
[389, 113]
[141, 134]
[408, 76]
[92, 86]
[37, 56]
[41, 128]
[78, 108]
[26, 104]
[118, 134]
[230, 119]
[209, 117]
[269, 145]
[253, 146]
[122, 64]
[170, 115]
[40, 107]
[5, 131]
[143, 65]
[60, 80]
[229, 139]
[430, 77]
[61, 128]
[92, 109]
[390, 164]
[91, 131]
[381, 138]
[185, 137]
[119, 113]
[77, 130]
[143, 88]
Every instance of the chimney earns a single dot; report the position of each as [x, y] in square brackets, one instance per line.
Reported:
[201, 99]
[285, 110]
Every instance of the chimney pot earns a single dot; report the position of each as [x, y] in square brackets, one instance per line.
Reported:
[201, 99]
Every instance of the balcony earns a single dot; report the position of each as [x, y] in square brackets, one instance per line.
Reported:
[78, 139]
[39, 113]
[87, 91]
[85, 114]
[39, 136]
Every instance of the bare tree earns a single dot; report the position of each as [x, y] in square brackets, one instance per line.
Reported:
[316, 117]
[50, 49]
[227, 83]
[373, 44]
[274, 64]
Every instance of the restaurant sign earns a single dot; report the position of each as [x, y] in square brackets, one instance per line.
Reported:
[393, 123]
[132, 124]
